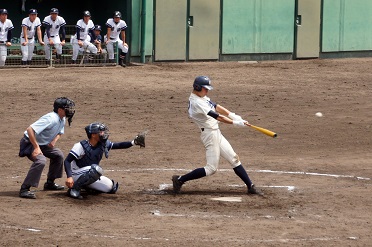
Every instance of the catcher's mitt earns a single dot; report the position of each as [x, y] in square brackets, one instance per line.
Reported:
[140, 139]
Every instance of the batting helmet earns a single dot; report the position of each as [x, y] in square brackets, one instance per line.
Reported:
[98, 27]
[54, 11]
[67, 104]
[117, 14]
[86, 13]
[3, 11]
[97, 128]
[202, 81]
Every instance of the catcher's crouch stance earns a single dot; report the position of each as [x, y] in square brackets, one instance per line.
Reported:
[82, 163]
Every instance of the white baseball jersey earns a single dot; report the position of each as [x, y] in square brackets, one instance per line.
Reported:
[54, 25]
[116, 28]
[4, 28]
[84, 28]
[31, 27]
[198, 111]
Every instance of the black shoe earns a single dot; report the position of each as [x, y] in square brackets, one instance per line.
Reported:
[53, 186]
[177, 184]
[26, 193]
[254, 191]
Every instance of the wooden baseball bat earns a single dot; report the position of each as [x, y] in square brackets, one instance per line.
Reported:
[262, 130]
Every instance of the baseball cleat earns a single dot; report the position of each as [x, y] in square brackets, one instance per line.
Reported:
[27, 194]
[177, 184]
[53, 186]
[254, 191]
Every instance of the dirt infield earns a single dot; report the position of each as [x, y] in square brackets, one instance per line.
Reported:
[316, 175]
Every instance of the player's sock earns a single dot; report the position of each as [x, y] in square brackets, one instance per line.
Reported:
[240, 171]
[195, 174]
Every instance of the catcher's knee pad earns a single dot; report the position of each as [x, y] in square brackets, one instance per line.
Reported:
[89, 177]
[210, 169]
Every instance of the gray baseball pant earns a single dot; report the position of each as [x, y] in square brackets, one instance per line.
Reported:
[55, 168]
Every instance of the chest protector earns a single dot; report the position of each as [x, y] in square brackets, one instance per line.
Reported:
[93, 155]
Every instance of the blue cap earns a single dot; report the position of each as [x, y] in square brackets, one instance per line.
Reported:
[54, 11]
[98, 27]
[32, 12]
[3, 11]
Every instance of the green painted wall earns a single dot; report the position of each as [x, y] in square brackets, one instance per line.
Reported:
[347, 25]
[136, 27]
[258, 26]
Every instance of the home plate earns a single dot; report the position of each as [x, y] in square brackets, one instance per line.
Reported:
[227, 199]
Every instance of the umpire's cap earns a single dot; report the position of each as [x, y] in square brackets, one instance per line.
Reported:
[202, 81]
[98, 27]
[54, 11]
[32, 12]
[3, 11]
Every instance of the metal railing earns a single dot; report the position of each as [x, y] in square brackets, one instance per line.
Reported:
[85, 58]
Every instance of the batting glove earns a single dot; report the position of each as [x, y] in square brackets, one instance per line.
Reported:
[240, 123]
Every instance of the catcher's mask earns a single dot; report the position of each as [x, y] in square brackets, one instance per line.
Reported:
[97, 128]
[66, 104]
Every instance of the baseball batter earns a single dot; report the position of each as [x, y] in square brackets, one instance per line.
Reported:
[206, 114]
[82, 163]
[83, 36]
[54, 24]
[6, 27]
[115, 28]
[30, 26]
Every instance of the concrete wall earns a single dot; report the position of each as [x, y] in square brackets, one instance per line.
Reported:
[347, 25]
[258, 26]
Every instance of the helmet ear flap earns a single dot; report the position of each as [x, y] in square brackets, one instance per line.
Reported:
[197, 87]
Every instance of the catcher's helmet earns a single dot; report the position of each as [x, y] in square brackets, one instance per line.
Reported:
[54, 11]
[3, 11]
[202, 81]
[86, 13]
[98, 27]
[117, 14]
[67, 104]
[97, 128]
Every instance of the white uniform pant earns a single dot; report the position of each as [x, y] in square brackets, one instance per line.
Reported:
[104, 184]
[110, 47]
[27, 50]
[86, 46]
[57, 45]
[216, 145]
[3, 54]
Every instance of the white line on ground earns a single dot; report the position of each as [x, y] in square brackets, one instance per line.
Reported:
[258, 171]
[229, 170]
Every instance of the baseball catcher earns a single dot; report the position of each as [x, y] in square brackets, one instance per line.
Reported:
[82, 165]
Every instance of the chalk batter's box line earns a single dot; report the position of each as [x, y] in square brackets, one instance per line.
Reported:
[257, 171]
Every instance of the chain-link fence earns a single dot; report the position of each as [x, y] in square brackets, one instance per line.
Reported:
[84, 58]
